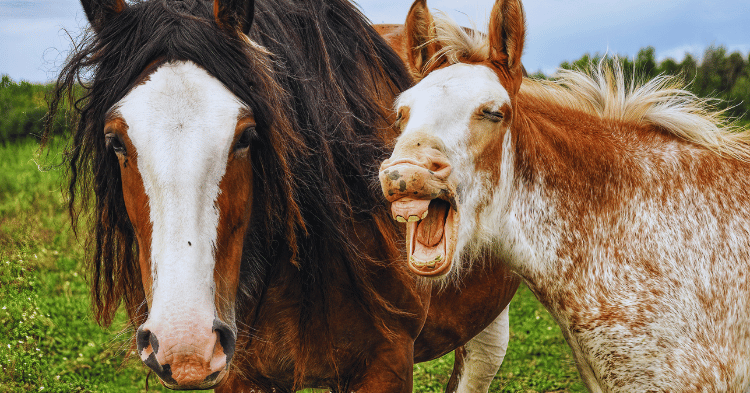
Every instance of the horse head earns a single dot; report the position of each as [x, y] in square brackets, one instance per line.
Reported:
[184, 146]
[462, 102]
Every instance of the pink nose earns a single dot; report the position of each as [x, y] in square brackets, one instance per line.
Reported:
[194, 359]
[417, 180]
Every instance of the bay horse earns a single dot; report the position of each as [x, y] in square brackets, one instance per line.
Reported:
[623, 207]
[230, 152]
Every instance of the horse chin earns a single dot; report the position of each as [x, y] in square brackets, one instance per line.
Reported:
[218, 380]
[431, 234]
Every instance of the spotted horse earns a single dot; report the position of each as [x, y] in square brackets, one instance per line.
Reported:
[622, 206]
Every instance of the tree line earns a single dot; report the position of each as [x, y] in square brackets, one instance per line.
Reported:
[721, 75]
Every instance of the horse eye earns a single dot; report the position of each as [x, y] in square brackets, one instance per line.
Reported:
[246, 138]
[492, 115]
[399, 116]
[114, 143]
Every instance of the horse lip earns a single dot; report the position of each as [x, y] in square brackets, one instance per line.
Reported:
[214, 383]
[399, 162]
[443, 268]
[386, 165]
[444, 189]
[442, 264]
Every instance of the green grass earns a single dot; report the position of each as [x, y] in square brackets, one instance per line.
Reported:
[49, 341]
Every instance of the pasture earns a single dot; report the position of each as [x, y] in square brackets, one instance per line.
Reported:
[49, 341]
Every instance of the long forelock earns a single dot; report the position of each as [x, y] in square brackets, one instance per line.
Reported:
[662, 102]
[458, 44]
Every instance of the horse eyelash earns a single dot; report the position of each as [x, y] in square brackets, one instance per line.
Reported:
[114, 143]
[399, 117]
[492, 115]
[246, 139]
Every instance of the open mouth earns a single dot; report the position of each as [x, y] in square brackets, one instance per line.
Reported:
[431, 228]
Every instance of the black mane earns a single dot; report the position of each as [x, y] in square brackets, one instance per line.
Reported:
[315, 94]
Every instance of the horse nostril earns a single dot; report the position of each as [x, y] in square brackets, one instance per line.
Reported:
[144, 338]
[226, 338]
[440, 167]
[148, 347]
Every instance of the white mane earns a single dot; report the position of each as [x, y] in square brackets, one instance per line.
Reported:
[662, 102]
[602, 90]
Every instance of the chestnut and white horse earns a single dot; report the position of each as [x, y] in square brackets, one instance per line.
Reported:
[624, 209]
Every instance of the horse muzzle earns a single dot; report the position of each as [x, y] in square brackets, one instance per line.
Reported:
[422, 196]
[188, 356]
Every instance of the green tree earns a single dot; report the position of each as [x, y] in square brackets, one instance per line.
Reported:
[668, 67]
[734, 68]
[23, 107]
[645, 63]
[689, 67]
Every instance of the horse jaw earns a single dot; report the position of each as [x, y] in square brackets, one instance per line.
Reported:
[431, 234]
[416, 180]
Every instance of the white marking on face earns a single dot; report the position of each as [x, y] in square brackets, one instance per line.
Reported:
[445, 100]
[443, 104]
[182, 122]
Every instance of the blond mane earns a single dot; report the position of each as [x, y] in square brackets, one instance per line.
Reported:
[661, 102]
[458, 44]
[603, 91]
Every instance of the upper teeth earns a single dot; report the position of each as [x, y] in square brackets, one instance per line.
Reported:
[412, 218]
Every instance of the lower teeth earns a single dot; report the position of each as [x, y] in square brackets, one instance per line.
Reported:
[429, 264]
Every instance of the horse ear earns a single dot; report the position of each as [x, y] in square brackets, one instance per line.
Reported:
[234, 14]
[100, 12]
[506, 36]
[420, 37]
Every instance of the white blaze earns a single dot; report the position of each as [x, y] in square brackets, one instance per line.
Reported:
[182, 122]
[443, 104]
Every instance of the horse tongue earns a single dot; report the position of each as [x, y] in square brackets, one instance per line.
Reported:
[430, 229]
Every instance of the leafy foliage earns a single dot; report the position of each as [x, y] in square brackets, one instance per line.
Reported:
[23, 108]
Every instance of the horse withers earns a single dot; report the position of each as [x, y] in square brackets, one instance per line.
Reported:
[623, 208]
[229, 149]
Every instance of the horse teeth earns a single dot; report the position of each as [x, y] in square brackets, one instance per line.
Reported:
[424, 215]
[423, 264]
[400, 219]
[414, 218]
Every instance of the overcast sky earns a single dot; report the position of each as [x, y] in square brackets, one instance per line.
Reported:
[33, 42]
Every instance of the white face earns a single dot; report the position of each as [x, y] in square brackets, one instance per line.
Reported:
[182, 123]
[452, 121]
[446, 103]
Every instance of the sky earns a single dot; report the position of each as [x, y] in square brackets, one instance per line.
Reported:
[35, 35]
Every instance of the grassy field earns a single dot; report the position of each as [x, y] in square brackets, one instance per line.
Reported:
[50, 343]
